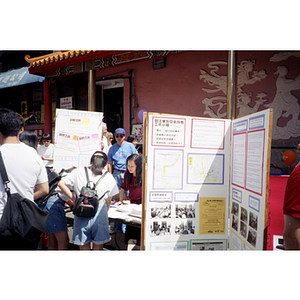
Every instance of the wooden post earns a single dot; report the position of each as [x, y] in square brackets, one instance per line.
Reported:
[92, 91]
[231, 85]
[47, 108]
[144, 184]
[267, 188]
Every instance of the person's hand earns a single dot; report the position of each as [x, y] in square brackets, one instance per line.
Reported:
[70, 202]
[119, 203]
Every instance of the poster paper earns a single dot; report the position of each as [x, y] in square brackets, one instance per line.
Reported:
[77, 137]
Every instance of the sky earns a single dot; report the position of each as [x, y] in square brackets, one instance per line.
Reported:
[155, 25]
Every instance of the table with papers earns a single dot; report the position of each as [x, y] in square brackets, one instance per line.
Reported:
[130, 214]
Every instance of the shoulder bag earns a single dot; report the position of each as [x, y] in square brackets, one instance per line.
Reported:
[21, 215]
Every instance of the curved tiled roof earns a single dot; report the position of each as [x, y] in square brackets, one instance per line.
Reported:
[55, 57]
[68, 62]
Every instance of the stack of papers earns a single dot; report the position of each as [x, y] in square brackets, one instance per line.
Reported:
[130, 209]
[136, 211]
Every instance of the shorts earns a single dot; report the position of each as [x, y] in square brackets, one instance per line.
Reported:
[57, 220]
[95, 229]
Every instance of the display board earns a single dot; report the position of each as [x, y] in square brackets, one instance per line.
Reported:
[249, 189]
[77, 136]
[187, 191]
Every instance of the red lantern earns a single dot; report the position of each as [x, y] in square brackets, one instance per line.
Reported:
[289, 157]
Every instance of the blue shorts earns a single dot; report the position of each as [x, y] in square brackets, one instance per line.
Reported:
[95, 229]
[57, 220]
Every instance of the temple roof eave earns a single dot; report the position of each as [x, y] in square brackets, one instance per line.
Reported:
[39, 65]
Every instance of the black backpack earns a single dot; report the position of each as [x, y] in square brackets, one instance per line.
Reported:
[87, 203]
[53, 180]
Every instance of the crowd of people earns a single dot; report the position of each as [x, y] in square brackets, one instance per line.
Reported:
[29, 163]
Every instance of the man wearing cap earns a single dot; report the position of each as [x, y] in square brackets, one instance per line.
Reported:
[117, 156]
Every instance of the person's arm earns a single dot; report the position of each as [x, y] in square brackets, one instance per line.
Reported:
[49, 159]
[108, 202]
[109, 166]
[41, 190]
[121, 197]
[64, 188]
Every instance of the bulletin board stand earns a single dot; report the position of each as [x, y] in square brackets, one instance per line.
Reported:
[205, 182]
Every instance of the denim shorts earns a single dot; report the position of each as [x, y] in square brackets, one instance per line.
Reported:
[57, 220]
[95, 229]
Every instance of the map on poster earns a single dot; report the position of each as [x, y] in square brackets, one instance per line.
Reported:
[168, 169]
[77, 137]
[206, 168]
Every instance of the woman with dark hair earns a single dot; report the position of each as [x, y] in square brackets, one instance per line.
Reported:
[132, 180]
[132, 139]
[93, 229]
[30, 138]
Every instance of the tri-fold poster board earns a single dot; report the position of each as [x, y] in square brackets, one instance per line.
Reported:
[206, 182]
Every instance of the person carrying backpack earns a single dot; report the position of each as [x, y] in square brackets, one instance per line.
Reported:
[26, 173]
[95, 228]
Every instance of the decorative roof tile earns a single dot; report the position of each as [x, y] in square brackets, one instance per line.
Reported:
[55, 57]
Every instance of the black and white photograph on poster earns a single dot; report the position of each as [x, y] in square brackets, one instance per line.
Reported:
[185, 211]
[252, 235]
[253, 220]
[185, 227]
[244, 214]
[161, 211]
[234, 223]
[160, 228]
[208, 245]
[243, 229]
[235, 209]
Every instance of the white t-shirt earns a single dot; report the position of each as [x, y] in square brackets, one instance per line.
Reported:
[77, 179]
[24, 169]
[104, 145]
[47, 152]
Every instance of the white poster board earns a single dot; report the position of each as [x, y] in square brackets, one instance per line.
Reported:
[189, 165]
[187, 190]
[251, 138]
[77, 136]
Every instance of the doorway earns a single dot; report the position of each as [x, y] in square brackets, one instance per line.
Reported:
[112, 103]
[113, 108]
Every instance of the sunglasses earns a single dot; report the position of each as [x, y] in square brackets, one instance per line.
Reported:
[119, 136]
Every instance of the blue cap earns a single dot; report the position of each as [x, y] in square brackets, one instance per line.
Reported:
[120, 131]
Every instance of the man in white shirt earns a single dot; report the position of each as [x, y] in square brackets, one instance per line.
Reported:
[25, 169]
[46, 151]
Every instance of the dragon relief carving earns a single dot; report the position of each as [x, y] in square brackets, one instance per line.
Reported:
[215, 106]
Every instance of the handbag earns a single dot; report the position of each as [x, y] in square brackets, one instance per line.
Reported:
[87, 203]
[21, 216]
